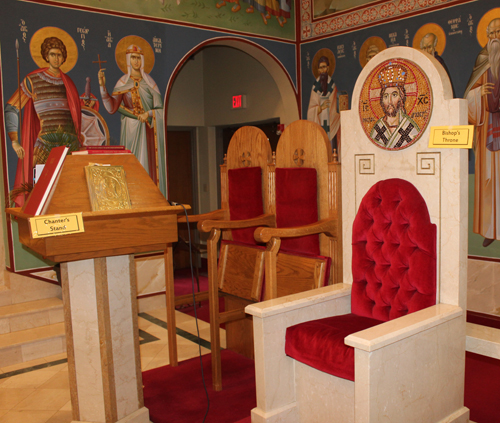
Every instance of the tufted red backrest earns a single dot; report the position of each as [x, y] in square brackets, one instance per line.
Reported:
[245, 199]
[393, 252]
[297, 205]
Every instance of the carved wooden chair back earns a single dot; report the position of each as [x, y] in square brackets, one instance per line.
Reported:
[307, 190]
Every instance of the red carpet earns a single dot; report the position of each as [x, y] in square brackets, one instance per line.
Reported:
[482, 388]
[176, 394]
[482, 381]
[183, 285]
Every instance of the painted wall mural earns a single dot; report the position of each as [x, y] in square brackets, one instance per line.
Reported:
[51, 103]
[138, 100]
[88, 78]
[369, 49]
[271, 18]
[322, 108]
[483, 96]
[320, 18]
[464, 38]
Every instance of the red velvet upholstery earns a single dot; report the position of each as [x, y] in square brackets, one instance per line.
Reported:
[394, 273]
[393, 252]
[245, 199]
[320, 343]
[297, 205]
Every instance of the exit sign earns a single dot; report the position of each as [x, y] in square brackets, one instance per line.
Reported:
[239, 101]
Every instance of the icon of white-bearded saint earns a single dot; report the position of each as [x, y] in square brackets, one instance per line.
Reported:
[483, 96]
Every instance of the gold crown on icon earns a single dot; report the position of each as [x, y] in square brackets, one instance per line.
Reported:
[392, 76]
[134, 49]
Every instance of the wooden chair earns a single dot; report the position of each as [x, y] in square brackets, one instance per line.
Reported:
[246, 187]
[249, 148]
[240, 268]
[308, 214]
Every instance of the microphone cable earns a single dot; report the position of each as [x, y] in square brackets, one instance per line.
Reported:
[172, 203]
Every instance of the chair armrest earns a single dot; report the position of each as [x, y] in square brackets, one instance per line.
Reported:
[264, 219]
[274, 371]
[299, 301]
[483, 340]
[216, 214]
[326, 226]
[403, 327]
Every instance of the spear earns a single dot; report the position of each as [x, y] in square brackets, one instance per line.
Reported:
[20, 118]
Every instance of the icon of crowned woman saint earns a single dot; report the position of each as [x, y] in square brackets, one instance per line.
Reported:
[138, 100]
[52, 115]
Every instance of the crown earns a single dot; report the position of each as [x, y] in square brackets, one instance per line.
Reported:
[392, 76]
[134, 49]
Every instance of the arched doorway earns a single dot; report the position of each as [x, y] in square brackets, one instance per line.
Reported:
[198, 98]
[198, 104]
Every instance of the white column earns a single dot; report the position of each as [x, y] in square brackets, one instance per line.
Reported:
[103, 340]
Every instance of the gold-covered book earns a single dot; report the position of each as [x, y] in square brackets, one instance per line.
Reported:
[107, 188]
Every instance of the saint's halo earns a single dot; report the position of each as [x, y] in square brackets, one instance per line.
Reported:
[320, 53]
[51, 31]
[125, 43]
[482, 37]
[431, 28]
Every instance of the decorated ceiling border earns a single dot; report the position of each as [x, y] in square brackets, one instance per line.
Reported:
[356, 18]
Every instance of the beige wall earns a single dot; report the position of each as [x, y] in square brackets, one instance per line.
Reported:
[202, 91]
[186, 105]
[229, 72]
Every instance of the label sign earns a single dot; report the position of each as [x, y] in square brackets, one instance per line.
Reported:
[56, 224]
[451, 136]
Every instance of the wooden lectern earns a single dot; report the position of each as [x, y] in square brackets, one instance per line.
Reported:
[99, 286]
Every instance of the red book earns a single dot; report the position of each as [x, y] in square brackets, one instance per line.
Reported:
[102, 147]
[39, 198]
[120, 151]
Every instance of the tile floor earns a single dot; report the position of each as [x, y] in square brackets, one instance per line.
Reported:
[38, 391]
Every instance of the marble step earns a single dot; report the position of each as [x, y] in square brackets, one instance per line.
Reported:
[30, 344]
[32, 314]
[5, 296]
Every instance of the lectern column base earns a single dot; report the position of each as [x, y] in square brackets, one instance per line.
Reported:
[102, 336]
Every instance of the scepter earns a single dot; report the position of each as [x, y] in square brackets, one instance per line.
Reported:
[20, 114]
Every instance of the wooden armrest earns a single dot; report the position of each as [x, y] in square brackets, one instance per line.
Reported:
[299, 301]
[265, 219]
[326, 226]
[403, 327]
[217, 214]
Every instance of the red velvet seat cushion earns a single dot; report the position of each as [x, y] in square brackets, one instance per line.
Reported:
[297, 205]
[320, 343]
[245, 199]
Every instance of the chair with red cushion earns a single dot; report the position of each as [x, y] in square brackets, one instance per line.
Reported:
[300, 176]
[239, 272]
[387, 344]
[245, 187]
[304, 249]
